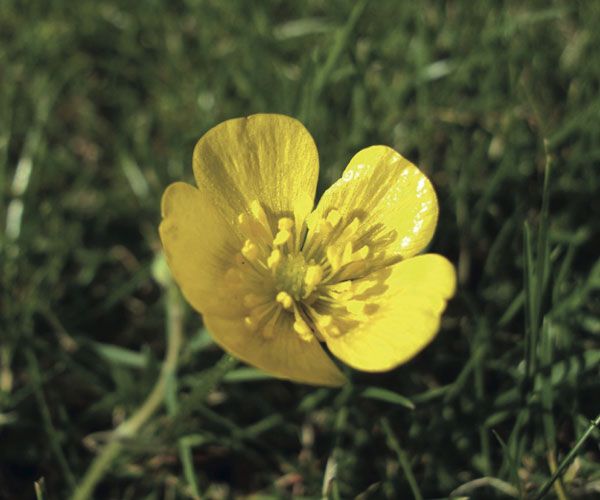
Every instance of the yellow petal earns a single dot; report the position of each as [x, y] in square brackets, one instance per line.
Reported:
[198, 245]
[265, 157]
[406, 318]
[386, 191]
[284, 355]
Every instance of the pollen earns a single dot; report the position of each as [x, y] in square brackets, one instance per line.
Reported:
[285, 300]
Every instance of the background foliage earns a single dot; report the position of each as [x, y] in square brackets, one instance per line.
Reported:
[100, 106]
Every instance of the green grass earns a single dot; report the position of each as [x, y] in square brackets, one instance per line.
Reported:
[100, 107]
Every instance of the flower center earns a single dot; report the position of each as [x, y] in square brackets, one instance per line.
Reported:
[289, 275]
[321, 286]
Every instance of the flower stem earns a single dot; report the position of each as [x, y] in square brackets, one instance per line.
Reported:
[155, 399]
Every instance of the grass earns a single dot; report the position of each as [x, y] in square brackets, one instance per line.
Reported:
[100, 106]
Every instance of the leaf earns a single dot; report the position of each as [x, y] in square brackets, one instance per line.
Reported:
[387, 396]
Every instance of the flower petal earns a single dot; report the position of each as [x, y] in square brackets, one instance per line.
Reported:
[198, 244]
[285, 355]
[406, 319]
[265, 157]
[383, 189]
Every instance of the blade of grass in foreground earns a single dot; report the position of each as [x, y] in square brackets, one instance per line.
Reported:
[567, 460]
[402, 458]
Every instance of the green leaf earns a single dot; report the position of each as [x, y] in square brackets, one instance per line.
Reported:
[387, 396]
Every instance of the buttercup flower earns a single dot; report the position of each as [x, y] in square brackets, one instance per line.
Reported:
[275, 279]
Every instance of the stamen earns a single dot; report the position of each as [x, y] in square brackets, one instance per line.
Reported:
[333, 217]
[347, 254]
[313, 276]
[351, 229]
[303, 330]
[324, 320]
[285, 300]
[321, 281]
[250, 250]
[285, 223]
[274, 259]
[362, 253]
[333, 257]
[259, 316]
[356, 306]
[282, 237]
[324, 227]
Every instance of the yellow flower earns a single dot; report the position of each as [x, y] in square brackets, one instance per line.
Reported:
[274, 279]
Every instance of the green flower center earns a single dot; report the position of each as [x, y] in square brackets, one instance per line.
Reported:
[289, 275]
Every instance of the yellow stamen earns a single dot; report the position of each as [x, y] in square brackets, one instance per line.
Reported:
[333, 257]
[259, 316]
[324, 227]
[274, 259]
[250, 323]
[334, 217]
[351, 229]
[282, 237]
[313, 276]
[301, 327]
[285, 223]
[324, 320]
[362, 253]
[347, 254]
[285, 300]
[250, 251]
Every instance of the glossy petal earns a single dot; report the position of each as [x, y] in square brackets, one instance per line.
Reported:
[198, 244]
[269, 158]
[385, 190]
[406, 319]
[285, 355]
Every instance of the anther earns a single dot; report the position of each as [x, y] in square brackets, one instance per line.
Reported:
[362, 253]
[285, 300]
[250, 250]
[302, 329]
[351, 229]
[313, 276]
[356, 306]
[347, 253]
[324, 227]
[282, 237]
[274, 259]
[250, 323]
[285, 223]
[333, 217]
[324, 320]
[333, 257]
